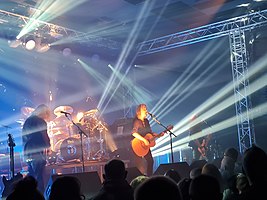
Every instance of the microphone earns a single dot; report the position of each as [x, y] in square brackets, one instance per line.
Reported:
[151, 115]
[66, 113]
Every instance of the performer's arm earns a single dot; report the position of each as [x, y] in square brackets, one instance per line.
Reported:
[139, 137]
[197, 143]
[208, 138]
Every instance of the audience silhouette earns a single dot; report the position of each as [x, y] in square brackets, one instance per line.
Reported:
[183, 186]
[137, 181]
[211, 170]
[173, 174]
[67, 188]
[205, 187]
[26, 188]
[115, 185]
[206, 182]
[255, 169]
[157, 188]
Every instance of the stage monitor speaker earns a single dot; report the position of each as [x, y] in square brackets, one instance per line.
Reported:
[182, 168]
[133, 172]
[197, 164]
[90, 183]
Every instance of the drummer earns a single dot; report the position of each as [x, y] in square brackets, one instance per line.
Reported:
[62, 125]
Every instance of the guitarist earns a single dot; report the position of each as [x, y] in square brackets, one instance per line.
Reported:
[200, 145]
[141, 127]
[36, 141]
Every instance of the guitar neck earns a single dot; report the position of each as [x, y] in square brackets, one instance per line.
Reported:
[12, 163]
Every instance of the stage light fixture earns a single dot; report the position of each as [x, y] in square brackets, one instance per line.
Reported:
[43, 48]
[30, 44]
[14, 43]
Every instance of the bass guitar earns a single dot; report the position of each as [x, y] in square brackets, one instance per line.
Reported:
[140, 148]
[8, 184]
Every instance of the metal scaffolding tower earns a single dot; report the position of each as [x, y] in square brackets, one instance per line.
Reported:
[128, 101]
[239, 61]
[234, 28]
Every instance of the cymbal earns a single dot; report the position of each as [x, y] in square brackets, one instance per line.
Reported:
[90, 112]
[26, 110]
[67, 109]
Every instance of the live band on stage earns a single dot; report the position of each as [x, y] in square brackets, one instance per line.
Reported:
[84, 138]
[65, 135]
[99, 143]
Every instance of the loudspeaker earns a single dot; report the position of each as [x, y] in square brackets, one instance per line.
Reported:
[90, 183]
[121, 130]
[182, 168]
[133, 172]
[197, 164]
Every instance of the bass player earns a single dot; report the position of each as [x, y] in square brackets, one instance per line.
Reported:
[199, 145]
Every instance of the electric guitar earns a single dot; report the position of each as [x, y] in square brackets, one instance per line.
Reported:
[140, 148]
[203, 148]
[8, 183]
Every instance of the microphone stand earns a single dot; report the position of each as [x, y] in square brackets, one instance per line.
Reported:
[81, 132]
[170, 133]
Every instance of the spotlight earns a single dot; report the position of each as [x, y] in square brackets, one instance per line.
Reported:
[30, 44]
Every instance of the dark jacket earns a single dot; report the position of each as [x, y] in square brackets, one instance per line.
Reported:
[115, 190]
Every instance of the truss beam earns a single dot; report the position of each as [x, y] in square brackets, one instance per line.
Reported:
[203, 33]
[46, 29]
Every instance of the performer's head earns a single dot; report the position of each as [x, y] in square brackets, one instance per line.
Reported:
[43, 112]
[141, 111]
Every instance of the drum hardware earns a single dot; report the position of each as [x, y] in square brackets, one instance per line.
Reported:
[90, 113]
[101, 153]
[52, 157]
[81, 132]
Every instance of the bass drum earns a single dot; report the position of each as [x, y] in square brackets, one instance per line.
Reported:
[70, 149]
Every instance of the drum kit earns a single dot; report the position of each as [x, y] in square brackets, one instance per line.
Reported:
[65, 135]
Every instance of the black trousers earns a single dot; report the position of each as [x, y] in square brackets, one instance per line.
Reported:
[144, 164]
[36, 169]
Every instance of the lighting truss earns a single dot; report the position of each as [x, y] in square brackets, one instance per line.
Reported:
[203, 33]
[234, 28]
[46, 29]
[128, 101]
[239, 61]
